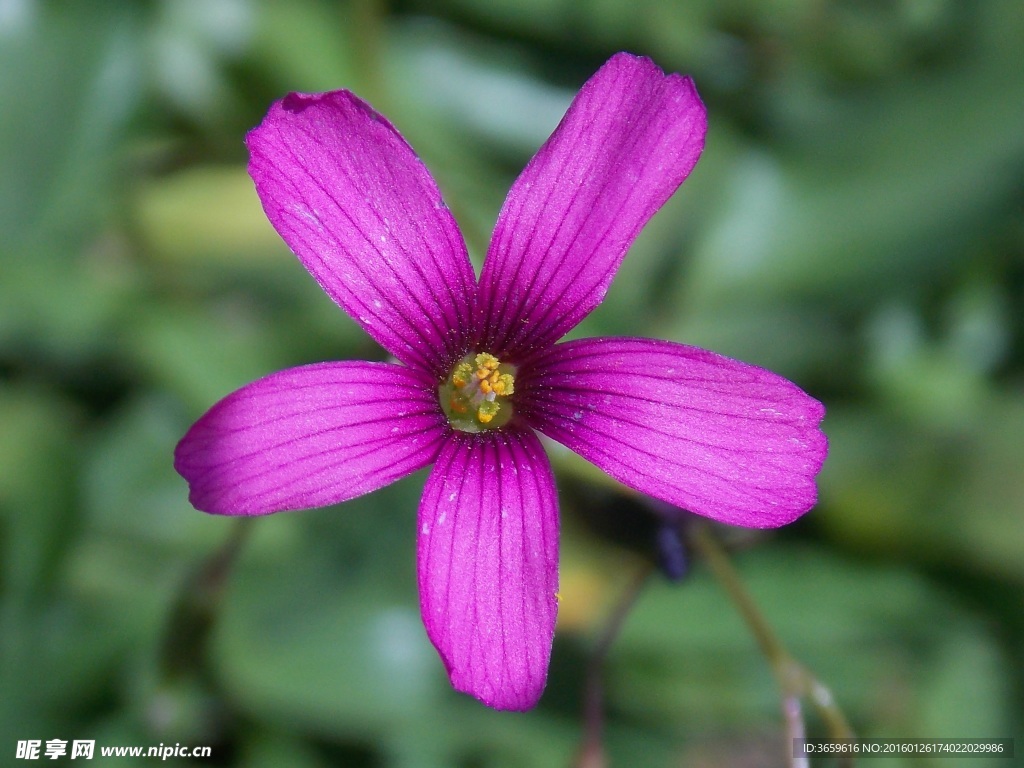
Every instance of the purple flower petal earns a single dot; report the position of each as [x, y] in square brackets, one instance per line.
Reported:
[363, 214]
[488, 564]
[630, 138]
[721, 438]
[310, 436]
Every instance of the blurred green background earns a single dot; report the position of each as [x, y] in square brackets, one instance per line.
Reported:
[855, 224]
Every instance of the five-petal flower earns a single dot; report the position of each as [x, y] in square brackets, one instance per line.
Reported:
[478, 368]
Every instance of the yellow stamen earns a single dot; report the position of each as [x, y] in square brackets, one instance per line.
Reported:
[487, 411]
[485, 363]
[475, 395]
[461, 375]
[502, 384]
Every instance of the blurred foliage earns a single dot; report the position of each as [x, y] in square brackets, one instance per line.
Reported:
[855, 224]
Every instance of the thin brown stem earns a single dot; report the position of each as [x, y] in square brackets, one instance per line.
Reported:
[592, 754]
[197, 607]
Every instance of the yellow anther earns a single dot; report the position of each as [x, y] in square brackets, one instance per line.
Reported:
[474, 396]
[487, 411]
[485, 363]
[462, 374]
[503, 384]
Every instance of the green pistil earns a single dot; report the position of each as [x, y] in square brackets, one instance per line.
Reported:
[475, 394]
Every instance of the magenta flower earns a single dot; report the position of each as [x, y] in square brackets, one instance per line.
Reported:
[478, 369]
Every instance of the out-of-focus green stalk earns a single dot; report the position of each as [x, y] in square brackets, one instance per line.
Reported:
[796, 682]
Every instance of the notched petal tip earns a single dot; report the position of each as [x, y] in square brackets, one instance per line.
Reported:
[296, 103]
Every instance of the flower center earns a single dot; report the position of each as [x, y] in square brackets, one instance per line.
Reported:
[475, 394]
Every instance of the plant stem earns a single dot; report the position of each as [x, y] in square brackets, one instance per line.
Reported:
[796, 682]
[591, 754]
[197, 607]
